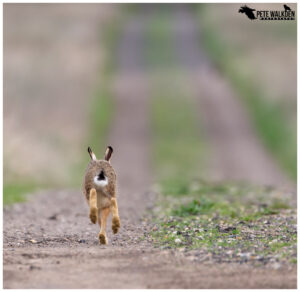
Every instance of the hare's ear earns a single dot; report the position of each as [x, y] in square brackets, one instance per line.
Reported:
[93, 156]
[108, 153]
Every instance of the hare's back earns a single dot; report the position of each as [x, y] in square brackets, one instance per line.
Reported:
[99, 168]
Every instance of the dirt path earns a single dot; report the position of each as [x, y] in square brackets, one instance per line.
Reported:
[49, 242]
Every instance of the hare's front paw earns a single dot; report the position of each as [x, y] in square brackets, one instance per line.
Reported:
[102, 238]
[93, 214]
[115, 224]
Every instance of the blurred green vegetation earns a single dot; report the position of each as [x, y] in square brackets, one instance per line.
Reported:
[17, 192]
[177, 145]
[102, 107]
[101, 112]
[270, 118]
[159, 42]
[178, 150]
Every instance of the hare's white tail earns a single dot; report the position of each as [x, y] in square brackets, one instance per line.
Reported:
[101, 180]
[100, 183]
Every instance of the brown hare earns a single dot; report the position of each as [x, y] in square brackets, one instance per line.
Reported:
[100, 192]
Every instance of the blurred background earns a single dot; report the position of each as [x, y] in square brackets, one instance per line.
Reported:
[222, 91]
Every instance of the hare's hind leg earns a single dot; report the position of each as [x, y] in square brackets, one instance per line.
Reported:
[93, 206]
[102, 235]
[115, 216]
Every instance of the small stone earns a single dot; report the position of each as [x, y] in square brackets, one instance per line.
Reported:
[53, 217]
[31, 267]
[276, 266]
[33, 241]
[165, 247]
[260, 258]
[245, 256]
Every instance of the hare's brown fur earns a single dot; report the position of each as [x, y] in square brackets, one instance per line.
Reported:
[101, 198]
[104, 194]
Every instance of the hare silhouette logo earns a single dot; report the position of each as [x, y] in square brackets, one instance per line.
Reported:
[248, 11]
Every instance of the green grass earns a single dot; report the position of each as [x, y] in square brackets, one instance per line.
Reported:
[269, 118]
[195, 207]
[222, 223]
[13, 193]
[231, 201]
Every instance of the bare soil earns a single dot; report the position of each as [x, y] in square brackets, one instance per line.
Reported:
[50, 243]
